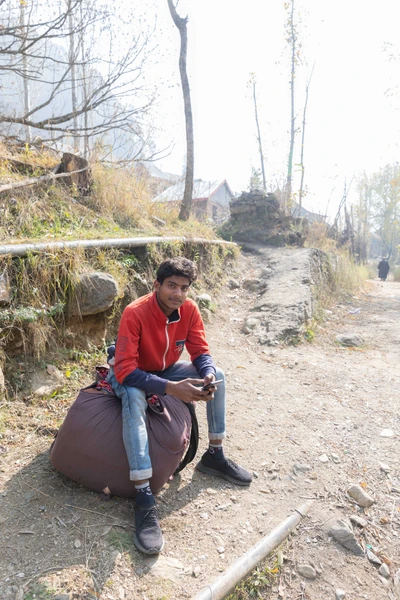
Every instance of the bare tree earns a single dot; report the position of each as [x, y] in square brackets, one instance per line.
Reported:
[302, 142]
[252, 83]
[72, 61]
[109, 88]
[24, 36]
[292, 41]
[181, 24]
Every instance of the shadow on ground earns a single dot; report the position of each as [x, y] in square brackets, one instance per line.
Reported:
[61, 538]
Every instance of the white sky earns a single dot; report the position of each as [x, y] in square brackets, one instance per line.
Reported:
[352, 120]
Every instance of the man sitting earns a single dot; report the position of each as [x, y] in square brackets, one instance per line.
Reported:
[152, 334]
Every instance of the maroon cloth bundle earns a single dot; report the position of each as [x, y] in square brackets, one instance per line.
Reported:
[89, 448]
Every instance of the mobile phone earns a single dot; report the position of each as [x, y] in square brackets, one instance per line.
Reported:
[211, 384]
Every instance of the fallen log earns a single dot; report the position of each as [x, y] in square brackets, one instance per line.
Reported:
[37, 180]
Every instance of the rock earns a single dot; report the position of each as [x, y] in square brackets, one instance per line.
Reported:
[204, 301]
[323, 458]
[350, 339]
[43, 384]
[342, 533]
[5, 290]
[388, 433]
[250, 325]
[307, 571]
[266, 272]
[94, 293]
[196, 571]
[251, 283]
[221, 549]
[360, 496]
[54, 372]
[373, 558]
[385, 468]
[358, 521]
[233, 284]
[384, 571]
[141, 285]
[301, 468]
[165, 567]
[77, 544]
[335, 458]
[340, 594]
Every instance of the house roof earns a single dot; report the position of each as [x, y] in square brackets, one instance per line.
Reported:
[296, 211]
[201, 190]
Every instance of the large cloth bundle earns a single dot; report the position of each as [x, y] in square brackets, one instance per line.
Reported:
[89, 448]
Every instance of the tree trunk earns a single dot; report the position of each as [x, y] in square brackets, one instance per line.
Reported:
[259, 136]
[24, 33]
[288, 194]
[86, 144]
[42, 179]
[181, 24]
[73, 77]
[302, 144]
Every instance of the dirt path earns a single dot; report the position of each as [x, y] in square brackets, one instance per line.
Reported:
[316, 406]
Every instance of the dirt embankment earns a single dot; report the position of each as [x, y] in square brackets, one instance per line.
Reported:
[307, 420]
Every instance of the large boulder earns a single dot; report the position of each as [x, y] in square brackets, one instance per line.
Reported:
[94, 293]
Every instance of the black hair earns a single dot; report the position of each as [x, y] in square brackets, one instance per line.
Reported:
[178, 266]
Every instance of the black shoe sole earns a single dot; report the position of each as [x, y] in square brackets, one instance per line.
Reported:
[200, 467]
[150, 551]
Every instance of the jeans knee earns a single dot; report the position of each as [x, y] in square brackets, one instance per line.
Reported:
[219, 374]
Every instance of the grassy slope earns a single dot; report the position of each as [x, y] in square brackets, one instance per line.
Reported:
[119, 206]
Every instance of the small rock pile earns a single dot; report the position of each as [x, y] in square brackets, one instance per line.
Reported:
[256, 216]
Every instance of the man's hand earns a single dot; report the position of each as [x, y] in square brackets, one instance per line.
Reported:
[209, 378]
[187, 392]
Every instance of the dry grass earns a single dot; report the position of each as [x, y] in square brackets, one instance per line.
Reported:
[120, 204]
[396, 274]
[345, 275]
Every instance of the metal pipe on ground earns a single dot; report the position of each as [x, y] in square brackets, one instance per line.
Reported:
[24, 249]
[224, 584]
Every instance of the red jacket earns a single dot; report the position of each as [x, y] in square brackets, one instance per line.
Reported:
[150, 341]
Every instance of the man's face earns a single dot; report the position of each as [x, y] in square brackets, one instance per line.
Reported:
[172, 293]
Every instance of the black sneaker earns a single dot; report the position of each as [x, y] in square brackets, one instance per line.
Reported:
[148, 537]
[225, 468]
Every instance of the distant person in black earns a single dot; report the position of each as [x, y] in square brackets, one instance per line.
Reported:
[383, 269]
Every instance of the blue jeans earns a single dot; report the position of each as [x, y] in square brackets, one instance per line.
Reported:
[134, 407]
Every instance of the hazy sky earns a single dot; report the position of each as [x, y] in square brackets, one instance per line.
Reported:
[353, 111]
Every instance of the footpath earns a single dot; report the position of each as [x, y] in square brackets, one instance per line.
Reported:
[309, 421]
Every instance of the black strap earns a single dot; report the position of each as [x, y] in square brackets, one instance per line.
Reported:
[194, 441]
